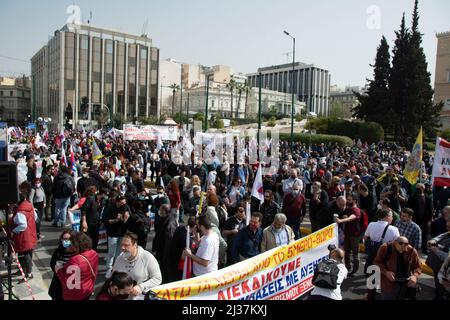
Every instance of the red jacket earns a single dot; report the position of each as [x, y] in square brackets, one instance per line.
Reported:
[294, 208]
[27, 239]
[82, 287]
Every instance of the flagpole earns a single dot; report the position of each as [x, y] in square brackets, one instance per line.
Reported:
[186, 258]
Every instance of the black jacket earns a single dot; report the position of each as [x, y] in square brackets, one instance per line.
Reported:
[47, 184]
[63, 186]
[92, 210]
[85, 183]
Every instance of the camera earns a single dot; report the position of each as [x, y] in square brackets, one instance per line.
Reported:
[331, 247]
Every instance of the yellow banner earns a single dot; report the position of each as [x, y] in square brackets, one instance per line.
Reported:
[281, 273]
[412, 168]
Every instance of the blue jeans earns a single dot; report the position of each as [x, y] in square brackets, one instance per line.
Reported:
[61, 206]
[295, 225]
[114, 250]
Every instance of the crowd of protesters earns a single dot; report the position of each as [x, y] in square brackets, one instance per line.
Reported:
[134, 189]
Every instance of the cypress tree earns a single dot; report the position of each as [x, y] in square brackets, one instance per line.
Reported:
[374, 105]
[399, 85]
[420, 93]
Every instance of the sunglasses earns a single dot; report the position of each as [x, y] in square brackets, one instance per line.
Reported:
[403, 243]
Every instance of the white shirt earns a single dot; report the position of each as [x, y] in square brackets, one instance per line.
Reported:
[375, 230]
[334, 294]
[144, 269]
[207, 250]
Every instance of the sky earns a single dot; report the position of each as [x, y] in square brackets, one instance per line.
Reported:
[338, 35]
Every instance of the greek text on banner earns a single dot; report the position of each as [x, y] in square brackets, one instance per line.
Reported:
[283, 273]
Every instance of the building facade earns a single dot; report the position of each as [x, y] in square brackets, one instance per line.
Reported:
[311, 84]
[343, 101]
[442, 77]
[245, 104]
[85, 73]
[15, 101]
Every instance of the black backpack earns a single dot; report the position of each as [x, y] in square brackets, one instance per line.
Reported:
[326, 274]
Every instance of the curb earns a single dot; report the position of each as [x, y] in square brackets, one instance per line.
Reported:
[425, 268]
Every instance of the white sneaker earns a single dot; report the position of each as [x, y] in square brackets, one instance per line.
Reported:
[108, 274]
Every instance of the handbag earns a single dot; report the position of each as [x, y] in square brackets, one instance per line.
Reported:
[434, 262]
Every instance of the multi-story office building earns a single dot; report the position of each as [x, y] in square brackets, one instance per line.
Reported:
[15, 102]
[342, 102]
[311, 84]
[85, 71]
[442, 77]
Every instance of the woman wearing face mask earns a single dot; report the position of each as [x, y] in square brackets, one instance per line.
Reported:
[37, 197]
[85, 261]
[61, 254]
[118, 287]
[140, 264]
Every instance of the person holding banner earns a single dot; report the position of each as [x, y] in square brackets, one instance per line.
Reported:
[247, 242]
[278, 234]
[206, 259]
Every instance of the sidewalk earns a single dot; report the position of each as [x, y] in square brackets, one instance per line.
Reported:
[39, 284]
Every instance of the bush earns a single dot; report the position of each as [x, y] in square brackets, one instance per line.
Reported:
[366, 131]
[342, 141]
[272, 122]
[430, 146]
[445, 134]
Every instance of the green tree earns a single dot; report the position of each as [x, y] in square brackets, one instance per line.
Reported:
[180, 118]
[374, 106]
[399, 83]
[175, 87]
[151, 120]
[199, 116]
[117, 120]
[216, 122]
[246, 89]
[272, 122]
[419, 96]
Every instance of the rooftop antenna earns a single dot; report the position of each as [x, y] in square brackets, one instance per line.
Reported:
[90, 16]
[144, 32]
[287, 54]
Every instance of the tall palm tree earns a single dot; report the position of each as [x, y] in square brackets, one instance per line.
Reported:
[246, 88]
[240, 88]
[175, 87]
[232, 85]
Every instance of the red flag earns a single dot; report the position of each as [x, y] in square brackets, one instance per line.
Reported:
[257, 190]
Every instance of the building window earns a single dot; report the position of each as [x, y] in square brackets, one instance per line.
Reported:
[11, 93]
[1, 93]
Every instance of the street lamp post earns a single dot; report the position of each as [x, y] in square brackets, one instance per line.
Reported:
[293, 89]
[206, 108]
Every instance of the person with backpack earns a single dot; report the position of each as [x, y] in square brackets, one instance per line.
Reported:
[376, 234]
[399, 265]
[63, 188]
[328, 277]
[354, 227]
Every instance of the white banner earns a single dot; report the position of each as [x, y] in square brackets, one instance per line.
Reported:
[147, 133]
[441, 165]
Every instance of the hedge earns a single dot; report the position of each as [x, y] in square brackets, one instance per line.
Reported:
[366, 131]
[342, 141]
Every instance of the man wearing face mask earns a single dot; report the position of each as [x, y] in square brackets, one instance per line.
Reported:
[231, 228]
[294, 207]
[85, 182]
[278, 234]
[291, 181]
